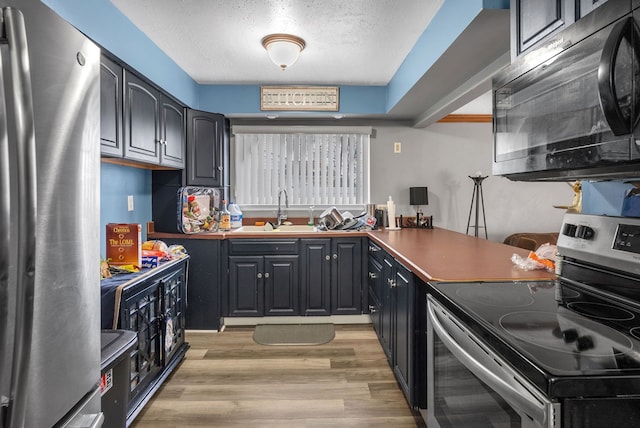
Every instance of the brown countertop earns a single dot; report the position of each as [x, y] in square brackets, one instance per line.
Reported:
[442, 255]
[431, 254]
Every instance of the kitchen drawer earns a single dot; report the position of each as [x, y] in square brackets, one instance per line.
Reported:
[263, 246]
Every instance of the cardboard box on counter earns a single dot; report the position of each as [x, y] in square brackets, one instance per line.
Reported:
[124, 244]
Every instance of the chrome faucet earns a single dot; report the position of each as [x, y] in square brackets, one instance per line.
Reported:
[281, 215]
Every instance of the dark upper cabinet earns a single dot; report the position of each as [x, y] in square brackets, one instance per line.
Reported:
[141, 120]
[172, 135]
[208, 149]
[153, 125]
[536, 23]
[586, 6]
[534, 20]
[110, 108]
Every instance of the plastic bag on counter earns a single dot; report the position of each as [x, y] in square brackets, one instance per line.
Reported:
[177, 251]
[542, 258]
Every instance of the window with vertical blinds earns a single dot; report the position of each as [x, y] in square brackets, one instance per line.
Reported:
[314, 168]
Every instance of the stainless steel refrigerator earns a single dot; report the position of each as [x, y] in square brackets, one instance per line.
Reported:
[49, 220]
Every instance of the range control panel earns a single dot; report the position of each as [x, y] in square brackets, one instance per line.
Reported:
[607, 241]
[627, 238]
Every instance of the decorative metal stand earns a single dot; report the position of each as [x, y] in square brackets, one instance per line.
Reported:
[479, 202]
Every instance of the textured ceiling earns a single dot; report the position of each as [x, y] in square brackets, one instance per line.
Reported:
[353, 42]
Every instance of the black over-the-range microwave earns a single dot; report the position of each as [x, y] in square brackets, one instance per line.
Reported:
[570, 109]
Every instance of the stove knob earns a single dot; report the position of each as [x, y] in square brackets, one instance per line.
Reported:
[570, 335]
[584, 232]
[569, 230]
[585, 343]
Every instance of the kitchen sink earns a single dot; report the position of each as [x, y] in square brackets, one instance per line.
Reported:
[293, 228]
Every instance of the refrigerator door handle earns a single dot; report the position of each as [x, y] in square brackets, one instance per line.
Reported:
[6, 353]
[21, 126]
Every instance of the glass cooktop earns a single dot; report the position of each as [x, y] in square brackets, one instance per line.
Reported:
[551, 330]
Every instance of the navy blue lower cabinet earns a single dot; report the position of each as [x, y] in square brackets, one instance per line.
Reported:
[203, 294]
[246, 289]
[315, 276]
[264, 277]
[263, 285]
[394, 306]
[403, 289]
[346, 276]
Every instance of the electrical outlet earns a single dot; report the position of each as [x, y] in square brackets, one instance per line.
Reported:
[397, 147]
[130, 203]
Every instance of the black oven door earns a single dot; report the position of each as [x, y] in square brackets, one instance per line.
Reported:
[573, 115]
[469, 386]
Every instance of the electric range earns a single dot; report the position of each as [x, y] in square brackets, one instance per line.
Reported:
[572, 344]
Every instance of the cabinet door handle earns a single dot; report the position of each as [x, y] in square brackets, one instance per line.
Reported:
[327, 257]
[259, 275]
[373, 249]
[372, 275]
[403, 278]
[372, 309]
[266, 275]
[335, 256]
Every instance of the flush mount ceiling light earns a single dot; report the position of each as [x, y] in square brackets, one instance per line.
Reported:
[283, 49]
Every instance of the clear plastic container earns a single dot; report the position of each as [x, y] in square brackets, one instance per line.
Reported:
[236, 216]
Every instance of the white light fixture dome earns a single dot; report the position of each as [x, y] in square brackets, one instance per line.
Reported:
[283, 49]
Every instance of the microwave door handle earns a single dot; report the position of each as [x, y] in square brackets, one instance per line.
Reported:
[19, 97]
[636, 53]
[619, 124]
[505, 386]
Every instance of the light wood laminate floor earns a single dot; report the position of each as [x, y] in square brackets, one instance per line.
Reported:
[228, 380]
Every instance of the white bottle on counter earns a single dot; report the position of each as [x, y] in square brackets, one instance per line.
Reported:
[236, 216]
[391, 213]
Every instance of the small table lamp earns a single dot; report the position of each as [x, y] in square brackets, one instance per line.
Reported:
[418, 196]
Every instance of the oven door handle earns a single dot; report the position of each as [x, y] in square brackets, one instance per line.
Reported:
[501, 382]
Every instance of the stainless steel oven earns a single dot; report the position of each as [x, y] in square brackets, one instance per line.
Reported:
[471, 386]
[573, 115]
[561, 353]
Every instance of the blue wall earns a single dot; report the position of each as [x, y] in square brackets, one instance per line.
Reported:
[107, 26]
[116, 183]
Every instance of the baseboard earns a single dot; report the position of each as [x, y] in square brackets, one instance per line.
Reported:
[334, 319]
